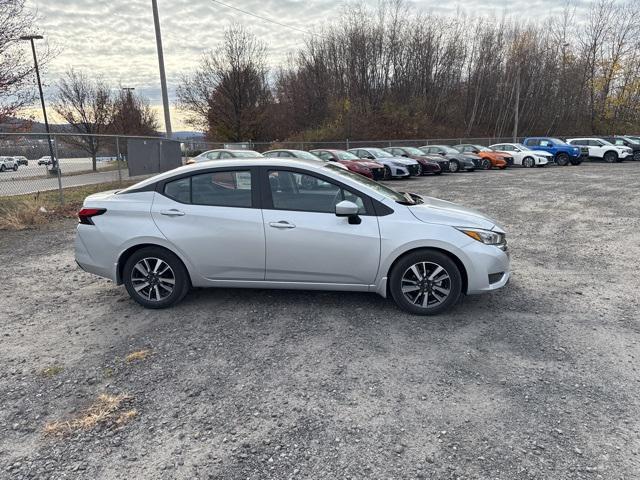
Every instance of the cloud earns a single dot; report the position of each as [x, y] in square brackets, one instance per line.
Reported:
[115, 39]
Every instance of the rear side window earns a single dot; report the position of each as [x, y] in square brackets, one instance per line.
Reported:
[220, 189]
[179, 190]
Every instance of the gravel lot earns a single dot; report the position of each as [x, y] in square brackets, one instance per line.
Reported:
[537, 381]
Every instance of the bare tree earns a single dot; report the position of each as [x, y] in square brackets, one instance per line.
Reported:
[87, 107]
[228, 94]
[16, 65]
[132, 115]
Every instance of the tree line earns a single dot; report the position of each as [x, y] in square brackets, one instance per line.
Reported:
[392, 72]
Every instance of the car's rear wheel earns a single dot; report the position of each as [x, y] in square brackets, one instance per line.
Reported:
[486, 164]
[528, 162]
[2, 168]
[636, 156]
[155, 278]
[425, 282]
[562, 159]
[610, 157]
[454, 166]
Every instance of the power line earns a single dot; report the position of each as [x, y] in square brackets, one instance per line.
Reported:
[265, 18]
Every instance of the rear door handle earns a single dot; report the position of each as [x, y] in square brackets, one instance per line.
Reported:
[172, 213]
[281, 224]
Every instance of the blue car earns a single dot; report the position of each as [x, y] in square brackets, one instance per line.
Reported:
[562, 152]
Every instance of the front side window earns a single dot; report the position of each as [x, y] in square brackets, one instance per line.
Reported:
[303, 192]
[221, 189]
[213, 155]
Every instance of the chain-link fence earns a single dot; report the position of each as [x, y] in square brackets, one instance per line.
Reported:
[195, 147]
[37, 162]
[31, 163]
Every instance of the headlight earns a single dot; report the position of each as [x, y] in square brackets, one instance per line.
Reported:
[485, 236]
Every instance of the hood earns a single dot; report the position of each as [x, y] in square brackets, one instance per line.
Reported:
[362, 163]
[542, 153]
[442, 212]
[402, 160]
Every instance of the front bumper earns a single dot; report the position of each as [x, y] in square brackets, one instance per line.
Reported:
[488, 267]
[399, 171]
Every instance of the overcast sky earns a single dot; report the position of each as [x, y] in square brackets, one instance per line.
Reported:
[114, 39]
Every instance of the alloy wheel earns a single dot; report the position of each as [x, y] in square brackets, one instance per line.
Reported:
[426, 284]
[454, 166]
[153, 279]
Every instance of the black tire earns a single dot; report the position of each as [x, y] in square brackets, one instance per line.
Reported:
[180, 277]
[402, 273]
[2, 168]
[636, 156]
[454, 166]
[528, 162]
[387, 172]
[15, 167]
[562, 159]
[576, 161]
[486, 164]
[610, 157]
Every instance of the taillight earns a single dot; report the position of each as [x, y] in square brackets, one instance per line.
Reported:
[86, 214]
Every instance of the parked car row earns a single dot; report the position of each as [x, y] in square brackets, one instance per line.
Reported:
[404, 161]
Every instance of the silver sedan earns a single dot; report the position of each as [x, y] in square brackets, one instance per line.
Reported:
[285, 223]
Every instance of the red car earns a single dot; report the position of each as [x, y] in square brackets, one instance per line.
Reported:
[368, 168]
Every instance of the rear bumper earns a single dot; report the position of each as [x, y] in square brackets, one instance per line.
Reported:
[87, 263]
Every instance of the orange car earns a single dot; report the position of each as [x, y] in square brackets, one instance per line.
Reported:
[490, 158]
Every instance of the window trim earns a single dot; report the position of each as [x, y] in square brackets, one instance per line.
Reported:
[267, 200]
[255, 186]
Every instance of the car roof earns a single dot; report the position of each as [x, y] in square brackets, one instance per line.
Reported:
[228, 150]
[325, 168]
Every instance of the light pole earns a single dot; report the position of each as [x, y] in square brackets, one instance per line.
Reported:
[163, 79]
[31, 38]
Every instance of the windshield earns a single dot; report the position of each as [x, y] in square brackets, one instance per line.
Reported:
[523, 147]
[557, 141]
[305, 155]
[342, 155]
[247, 154]
[413, 151]
[379, 153]
[481, 148]
[403, 198]
[447, 149]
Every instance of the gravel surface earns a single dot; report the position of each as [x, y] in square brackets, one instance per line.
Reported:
[537, 381]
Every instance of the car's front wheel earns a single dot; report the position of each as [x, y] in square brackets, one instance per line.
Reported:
[454, 166]
[15, 167]
[562, 159]
[155, 278]
[425, 282]
[611, 157]
[486, 164]
[528, 162]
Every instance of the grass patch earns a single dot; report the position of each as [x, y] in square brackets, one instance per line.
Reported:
[107, 410]
[51, 371]
[137, 356]
[21, 212]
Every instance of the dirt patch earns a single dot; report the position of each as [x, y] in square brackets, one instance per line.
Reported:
[537, 381]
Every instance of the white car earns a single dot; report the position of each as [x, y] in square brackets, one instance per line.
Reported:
[396, 167]
[523, 155]
[8, 163]
[301, 154]
[599, 148]
[288, 224]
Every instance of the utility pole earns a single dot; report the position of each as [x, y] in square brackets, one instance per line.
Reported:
[516, 107]
[163, 79]
[54, 159]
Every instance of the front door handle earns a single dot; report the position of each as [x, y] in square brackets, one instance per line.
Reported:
[281, 224]
[172, 213]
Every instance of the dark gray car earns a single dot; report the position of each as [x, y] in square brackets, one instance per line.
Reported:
[457, 161]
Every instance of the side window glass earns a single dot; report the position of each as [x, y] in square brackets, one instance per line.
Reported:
[213, 155]
[179, 190]
[303, 192]
[324, 156]
[222, 189]
[225, 155]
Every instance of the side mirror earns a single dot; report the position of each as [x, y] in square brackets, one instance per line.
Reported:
[348, 209]
[370, 157]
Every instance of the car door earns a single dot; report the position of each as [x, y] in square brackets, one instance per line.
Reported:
[213, 218]
[306, 241]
